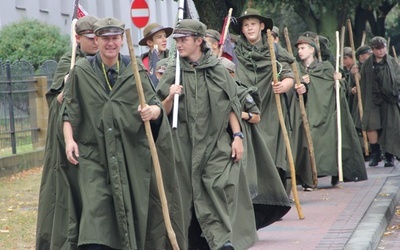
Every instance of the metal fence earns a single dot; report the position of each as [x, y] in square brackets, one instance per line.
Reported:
[18, 119]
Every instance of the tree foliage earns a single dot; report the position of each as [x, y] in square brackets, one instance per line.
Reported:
[33, 41]
[212, 13]
[325, 17]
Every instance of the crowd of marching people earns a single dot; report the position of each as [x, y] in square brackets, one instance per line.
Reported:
[228, 131]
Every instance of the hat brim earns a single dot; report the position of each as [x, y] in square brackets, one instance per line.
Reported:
[168, 32]
[88, 35]
[237, 26]
[378, 46]
[306, 42]
[180, 35]
[109, 31]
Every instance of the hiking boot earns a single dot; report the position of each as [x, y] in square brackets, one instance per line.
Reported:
[375, 155]
[334, 180]
[389, 160]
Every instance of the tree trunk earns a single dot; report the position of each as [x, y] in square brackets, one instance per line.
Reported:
[212, 13]
[328, 26]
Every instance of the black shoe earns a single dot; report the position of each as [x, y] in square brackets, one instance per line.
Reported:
[227, 246]
[334, 180]
[389, 160]
[374, 160]
[389, 164]
[375, 155]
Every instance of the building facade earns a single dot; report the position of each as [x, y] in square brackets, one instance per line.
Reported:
[59, 13]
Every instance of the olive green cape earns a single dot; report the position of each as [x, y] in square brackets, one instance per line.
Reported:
[389, 137]
[59, 200]
[211, 180]
[268, 194]
[121, 207]
[321, 112]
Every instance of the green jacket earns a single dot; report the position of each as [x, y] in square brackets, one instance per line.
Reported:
[255, 69]
[210, 179]
[322, 117]
[121, 206]
[389, 137]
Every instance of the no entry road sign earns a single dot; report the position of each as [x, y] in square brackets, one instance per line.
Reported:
[140, 13]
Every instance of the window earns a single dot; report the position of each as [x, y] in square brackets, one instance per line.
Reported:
[43, 6]
[66, 7]
[20, 4]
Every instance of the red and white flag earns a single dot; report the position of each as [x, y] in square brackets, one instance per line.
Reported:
[78, 10]
[81, 12]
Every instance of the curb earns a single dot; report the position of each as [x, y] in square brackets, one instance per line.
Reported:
[369, 231]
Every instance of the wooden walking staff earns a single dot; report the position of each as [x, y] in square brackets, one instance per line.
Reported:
[338, 113]
[342, 45]
[225, 30]
[363, 38]
[283, 127]
[303, 114]
[394, 54]
[357, 78]
[154, 155]
[319, 48]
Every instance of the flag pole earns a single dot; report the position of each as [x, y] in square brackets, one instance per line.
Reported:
[225, 30]
[177, 72]
[73, 33]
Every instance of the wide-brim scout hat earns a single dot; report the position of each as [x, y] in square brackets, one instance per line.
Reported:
[275, 30]
[228, 64]
[347, 51]
[306, 40]
[213, 34]
[189, 27]
[85, 26]
[365, 49]
[251, 13]
[151, 29]
[378, 42]
[109, 26]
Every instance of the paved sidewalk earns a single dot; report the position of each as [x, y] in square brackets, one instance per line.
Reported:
[352, 215]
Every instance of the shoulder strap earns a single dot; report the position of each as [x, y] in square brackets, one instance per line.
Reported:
[126, 59]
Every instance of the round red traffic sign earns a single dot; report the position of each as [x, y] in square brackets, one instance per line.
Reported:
[140, 13]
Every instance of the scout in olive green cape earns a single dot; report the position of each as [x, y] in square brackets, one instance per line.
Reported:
[120, 202]
[295, 127]
[212, 183]
[111, 134]
[59, 200]
[380, 90]
[254, 69]
[321, 112]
